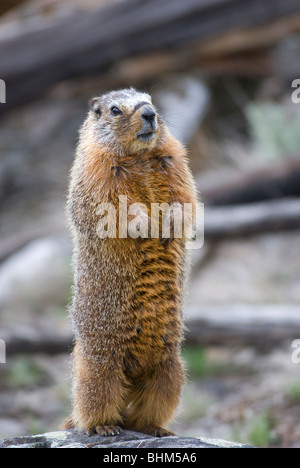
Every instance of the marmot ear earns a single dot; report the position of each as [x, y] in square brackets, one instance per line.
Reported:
[94, 105]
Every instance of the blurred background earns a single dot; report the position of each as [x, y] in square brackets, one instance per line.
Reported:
[221, 73]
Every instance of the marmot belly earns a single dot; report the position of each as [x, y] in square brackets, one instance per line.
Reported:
[156, 307]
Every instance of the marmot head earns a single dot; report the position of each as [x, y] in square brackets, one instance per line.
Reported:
[125, 121]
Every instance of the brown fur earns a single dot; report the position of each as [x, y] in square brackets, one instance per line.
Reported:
[126, 312]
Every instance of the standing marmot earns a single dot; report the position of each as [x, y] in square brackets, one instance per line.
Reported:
[127, 371]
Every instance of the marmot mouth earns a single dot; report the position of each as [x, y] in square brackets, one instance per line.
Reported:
[145, 136]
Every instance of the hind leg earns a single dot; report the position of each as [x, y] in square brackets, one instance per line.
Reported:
[98, 394]
[154, 399]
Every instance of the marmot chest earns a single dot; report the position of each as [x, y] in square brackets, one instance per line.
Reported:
[147, 181]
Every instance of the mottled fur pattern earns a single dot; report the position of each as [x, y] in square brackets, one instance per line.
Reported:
[126, 312]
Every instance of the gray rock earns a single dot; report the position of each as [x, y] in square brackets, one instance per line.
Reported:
[36, 275]
[127, 439]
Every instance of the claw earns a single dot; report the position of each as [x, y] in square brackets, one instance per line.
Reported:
[160, 432]
[108, 430]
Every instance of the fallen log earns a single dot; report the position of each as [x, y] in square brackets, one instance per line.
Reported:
[9, 5]
[244, 220]
[88, 43]
[263, 326]
[35, 342]
[277, 181]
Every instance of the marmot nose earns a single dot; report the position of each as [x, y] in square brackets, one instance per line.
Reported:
[148, 114]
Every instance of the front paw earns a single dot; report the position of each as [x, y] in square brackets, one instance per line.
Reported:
[157, 431]
[105, 430]
[160, 432]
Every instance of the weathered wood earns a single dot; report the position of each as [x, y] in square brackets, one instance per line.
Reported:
[259, 325]
[245, 220]
[35, 343]
[91, 42]
[277, 181]
[9, 5]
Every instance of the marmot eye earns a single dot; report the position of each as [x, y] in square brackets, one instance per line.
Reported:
[116, 111]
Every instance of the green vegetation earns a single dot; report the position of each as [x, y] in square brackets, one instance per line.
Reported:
[274, 128]
[293, 392]
[257, 431]
[23, 372]
[196, 361]
[200, 364]
[260, 434]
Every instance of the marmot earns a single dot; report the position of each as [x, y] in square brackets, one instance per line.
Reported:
[126, 311]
